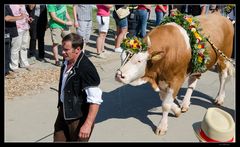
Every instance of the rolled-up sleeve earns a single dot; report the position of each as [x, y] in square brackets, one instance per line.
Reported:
[94, 95]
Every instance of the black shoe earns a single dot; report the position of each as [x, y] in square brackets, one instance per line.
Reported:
[10, 75]
[42, 60]
[58, 63]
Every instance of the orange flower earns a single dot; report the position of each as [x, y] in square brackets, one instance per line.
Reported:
[200, 46]
[189, 19]
[135, 45]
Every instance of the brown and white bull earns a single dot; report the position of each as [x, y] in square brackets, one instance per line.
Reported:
[167, 62]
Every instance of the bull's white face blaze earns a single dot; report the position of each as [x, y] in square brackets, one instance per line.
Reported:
[133, 69]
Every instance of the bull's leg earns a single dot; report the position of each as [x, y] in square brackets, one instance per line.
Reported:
[175, 109]
[167, 98]
[167, 105]
[223, 75]
[192, 82]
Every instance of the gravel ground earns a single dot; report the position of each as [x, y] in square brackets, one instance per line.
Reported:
[31, 82]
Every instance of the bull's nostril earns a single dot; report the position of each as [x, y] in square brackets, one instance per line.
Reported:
[122, 76]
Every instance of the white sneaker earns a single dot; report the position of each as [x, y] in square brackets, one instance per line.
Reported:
[118, 50]
[32, 60]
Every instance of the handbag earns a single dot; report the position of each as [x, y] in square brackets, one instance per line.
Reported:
[122, 12]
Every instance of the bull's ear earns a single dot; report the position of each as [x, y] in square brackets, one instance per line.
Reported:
[157, 56]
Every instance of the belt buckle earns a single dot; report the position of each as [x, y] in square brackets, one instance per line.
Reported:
[7, 35]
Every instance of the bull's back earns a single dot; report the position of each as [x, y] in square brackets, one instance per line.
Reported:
[220, 31]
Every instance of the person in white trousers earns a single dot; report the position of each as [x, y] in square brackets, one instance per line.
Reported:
[20, 44]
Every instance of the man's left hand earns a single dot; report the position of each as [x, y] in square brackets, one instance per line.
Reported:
[84, 131]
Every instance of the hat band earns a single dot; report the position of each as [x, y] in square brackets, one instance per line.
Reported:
[206, 138]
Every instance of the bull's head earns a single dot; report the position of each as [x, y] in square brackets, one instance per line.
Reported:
[134, 65]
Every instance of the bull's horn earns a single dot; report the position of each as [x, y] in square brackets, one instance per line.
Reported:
[125, 36]
[148, 41]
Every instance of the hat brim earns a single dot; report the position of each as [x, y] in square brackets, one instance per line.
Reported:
[197, 133]
[197, 128]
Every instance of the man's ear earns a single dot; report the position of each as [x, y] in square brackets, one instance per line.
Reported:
[77, 50]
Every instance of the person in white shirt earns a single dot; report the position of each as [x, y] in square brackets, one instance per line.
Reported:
[79, 94]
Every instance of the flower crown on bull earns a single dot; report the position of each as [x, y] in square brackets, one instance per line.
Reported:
[200, 55]
[133, 44]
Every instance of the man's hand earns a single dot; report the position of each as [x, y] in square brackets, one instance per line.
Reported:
[76, 25]
[85, 131]
[30, 19]
[69, 23]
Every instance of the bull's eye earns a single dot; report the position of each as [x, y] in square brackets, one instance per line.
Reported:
[139, 61]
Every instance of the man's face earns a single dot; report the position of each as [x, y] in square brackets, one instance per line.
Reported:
[68, 52]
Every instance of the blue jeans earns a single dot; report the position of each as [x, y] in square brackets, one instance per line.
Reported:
[142, 23]
[121, 23]
[159, 17]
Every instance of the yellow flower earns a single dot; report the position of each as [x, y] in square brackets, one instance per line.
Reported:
[189, 19]
[200, 59]
[131, 42]
[196, 35]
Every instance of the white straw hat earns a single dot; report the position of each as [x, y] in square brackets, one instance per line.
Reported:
[217, 126]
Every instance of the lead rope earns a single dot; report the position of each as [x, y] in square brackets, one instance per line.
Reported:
[220, 52]
[129, 55]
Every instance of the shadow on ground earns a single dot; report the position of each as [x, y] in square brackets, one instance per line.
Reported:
[137, 102]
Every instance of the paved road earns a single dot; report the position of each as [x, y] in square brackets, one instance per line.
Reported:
[128, 114]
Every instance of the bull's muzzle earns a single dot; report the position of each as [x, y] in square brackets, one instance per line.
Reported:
[119, 76]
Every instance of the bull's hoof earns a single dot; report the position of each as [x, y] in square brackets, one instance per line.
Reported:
[177, 111]
[160, 132]
[177, 114]
[184, 109]
[218, 103]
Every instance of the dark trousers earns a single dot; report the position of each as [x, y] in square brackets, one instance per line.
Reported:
[68, 130]
[7, 54]
[133, 19]
[37, 32]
